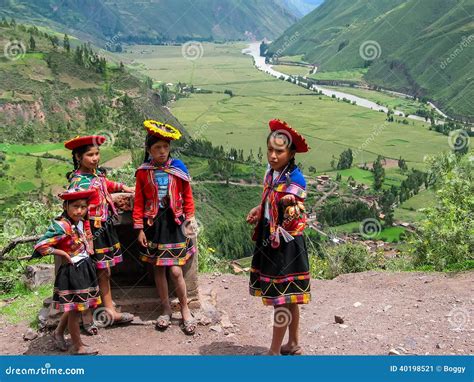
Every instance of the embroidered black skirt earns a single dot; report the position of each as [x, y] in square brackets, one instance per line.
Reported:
[167, 243]
[280, 275]
[75, 287]
[107, 251]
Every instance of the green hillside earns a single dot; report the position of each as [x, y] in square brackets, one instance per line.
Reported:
[116, 21]
[423, 48]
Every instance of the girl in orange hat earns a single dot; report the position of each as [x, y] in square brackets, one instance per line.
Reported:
[162, 213]
[280, 266]
[107, 251]
[75, 287]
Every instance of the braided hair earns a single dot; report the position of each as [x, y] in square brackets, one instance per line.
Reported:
[79, 151]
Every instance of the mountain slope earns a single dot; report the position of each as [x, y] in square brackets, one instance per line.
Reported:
[301, 8]
[420, 47]
[156, 21]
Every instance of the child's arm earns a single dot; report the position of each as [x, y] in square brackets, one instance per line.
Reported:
[46, 245]
[139, 203]
[188, 201]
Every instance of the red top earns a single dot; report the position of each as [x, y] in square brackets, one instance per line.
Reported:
[147, 202]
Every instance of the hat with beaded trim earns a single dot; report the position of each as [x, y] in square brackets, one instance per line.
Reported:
[94, 140]
[162, 130]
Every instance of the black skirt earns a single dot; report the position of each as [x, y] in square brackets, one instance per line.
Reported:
[107, 251]
[75, 287]
[167, 243]
[280, 275]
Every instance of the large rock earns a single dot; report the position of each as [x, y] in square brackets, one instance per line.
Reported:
[39, 274]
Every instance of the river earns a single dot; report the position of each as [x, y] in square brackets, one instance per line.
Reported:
[259, 62]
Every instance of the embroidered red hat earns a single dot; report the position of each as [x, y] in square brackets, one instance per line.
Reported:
[76, 193]
[295, 137]
[95, 140]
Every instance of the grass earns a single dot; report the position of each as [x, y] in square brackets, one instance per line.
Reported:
[406, 105]
[330, 126]
[292, 70]
[355, 75]
[25, 305]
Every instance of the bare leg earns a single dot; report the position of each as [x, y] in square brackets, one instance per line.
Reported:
[281, 320]
[75, 331]
[59, 332]
[106, 292]
[293, 338]
[162, 287]
[178, 278]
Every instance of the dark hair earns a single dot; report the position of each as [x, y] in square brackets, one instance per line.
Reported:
[80, 151]
[150, 140]
[288, 142]
[66, 204]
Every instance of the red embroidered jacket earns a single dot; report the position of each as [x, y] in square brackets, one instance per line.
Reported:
[62, 234]
[146, 204]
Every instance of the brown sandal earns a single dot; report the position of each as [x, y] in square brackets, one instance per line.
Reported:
[297, 350]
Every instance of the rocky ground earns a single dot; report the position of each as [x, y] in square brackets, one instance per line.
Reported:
[376, 313]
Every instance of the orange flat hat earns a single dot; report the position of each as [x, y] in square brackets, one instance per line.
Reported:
[95, 140]
[296, 138]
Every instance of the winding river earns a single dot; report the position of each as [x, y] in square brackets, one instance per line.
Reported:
[254, 51]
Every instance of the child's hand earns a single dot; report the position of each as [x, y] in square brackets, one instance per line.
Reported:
[128, 189]
[253, 215]
[288, 200]
[64, 255]
[142, 239]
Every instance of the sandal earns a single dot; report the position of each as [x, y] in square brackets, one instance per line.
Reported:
[297, 350]
[91, 328]
[189, 326]
[125, 318]
[59, 342]
[90, 351]
[163, 321]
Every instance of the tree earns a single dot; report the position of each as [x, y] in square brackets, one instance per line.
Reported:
[386, 201]
[444, 237]
[345, 160]
[39, 168]
[66, 44]
[260, 155]
[32, 43]
[379, 173]
[402, 165]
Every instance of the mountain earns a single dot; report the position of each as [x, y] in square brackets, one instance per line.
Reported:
[424, 48]
[301, 8]
[155, 21]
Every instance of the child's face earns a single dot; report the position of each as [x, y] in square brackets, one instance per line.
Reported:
[90, 159]
[76, 209]
[278, 153]
[160, 151]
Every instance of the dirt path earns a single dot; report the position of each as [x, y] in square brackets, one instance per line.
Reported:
[423, 313]
[118, 161]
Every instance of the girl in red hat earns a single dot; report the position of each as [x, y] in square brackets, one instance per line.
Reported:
[162, 213]
[280, 266]
[107, 252]
[75, 287]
